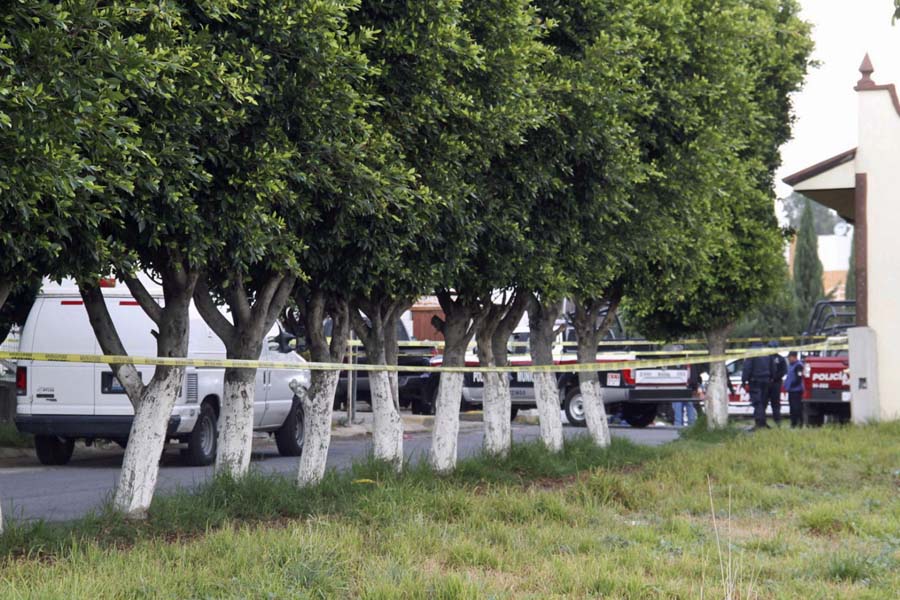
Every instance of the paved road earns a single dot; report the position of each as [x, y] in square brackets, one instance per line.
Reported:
[29, 490]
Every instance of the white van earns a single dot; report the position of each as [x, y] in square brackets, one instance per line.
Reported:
[60, 402]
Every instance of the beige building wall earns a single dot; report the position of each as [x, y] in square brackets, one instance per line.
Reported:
[878, 156]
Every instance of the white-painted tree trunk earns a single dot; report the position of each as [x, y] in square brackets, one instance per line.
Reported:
[717, 397]
[317, 409]
[497, 406]
[387, 426]
[717, 387]
[442, 455]
[140, 466]
[235, 438]
[594, 410]
[547, 399]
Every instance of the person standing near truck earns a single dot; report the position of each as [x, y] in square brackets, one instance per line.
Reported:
[794, 387]
[779, 370]
[756, 377]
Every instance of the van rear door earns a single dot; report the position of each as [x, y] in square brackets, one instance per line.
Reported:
[61, 388]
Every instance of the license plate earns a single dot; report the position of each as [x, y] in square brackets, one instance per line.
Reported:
[845, 396]
[659, 376]
[613, 379]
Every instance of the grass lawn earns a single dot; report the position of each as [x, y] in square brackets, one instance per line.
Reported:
[799, 514]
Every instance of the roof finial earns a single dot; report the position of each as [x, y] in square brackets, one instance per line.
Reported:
[866, 69]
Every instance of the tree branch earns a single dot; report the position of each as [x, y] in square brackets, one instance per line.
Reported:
[262, 301]
[110, 342]
[210, 312]
[236, 297]
[5, 289]
[279, 299]
[143, 297]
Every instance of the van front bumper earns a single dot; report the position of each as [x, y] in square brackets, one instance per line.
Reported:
[111, 427]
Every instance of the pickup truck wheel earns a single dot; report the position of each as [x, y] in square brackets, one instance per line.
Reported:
[52, 450]
[573, 405]
[201, 445]
[289, 438]
[639, 415]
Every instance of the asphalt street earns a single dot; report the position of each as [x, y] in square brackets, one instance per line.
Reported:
[29, 490]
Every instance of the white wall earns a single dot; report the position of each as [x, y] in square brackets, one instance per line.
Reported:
[879, 156]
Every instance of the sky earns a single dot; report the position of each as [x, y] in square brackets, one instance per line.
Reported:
[826, 107]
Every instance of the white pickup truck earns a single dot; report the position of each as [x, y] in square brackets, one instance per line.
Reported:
[60, 402]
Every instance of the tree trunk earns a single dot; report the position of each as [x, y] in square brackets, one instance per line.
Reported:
[387, 426]
[717, 388]
[541, 320]
[243, 340]
[235, 426]
[457, 329]
[443, 453]
[589, 384]
[317, 409]
[140, 466]
[496, 402]
[319, 402]
[392, 348]
[153, 402]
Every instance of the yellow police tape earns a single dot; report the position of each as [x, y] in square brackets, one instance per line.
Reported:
[831, 344]
[693, 342]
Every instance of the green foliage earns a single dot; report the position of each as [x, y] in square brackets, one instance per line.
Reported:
[781, 316]
[757, 55]
[807, 266]
[65, 70]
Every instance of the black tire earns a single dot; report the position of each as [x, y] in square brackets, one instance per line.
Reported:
[639, 415]
[425, 403]
[289, 437]
[201, 444]
[513, 412]
[52, 450]
[573, 406]
[812, 416]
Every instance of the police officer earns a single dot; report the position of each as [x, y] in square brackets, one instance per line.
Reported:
[794, 387]
[757, 375]
[779, 370]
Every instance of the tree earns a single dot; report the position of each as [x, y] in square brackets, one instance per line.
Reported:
[62, 134]
[807, 266]
[824, 218]
[780, 317]
[299, 151]
[451, 87]
[763, 52]
[158, 226]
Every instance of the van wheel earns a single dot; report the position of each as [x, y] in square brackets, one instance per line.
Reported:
[289, 437]
[52, 450]
[201, 444]
[573, 405]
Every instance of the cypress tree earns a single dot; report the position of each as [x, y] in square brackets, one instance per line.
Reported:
[850, 289]
[807, 266]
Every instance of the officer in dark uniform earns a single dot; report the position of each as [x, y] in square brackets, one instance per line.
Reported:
[779, 370]
[757, 376]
